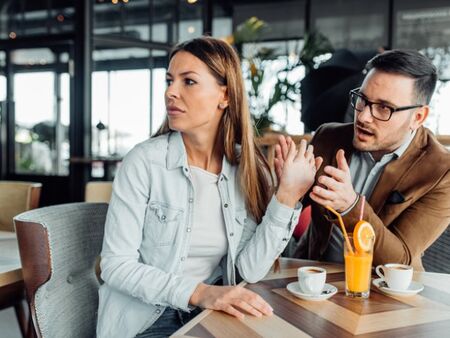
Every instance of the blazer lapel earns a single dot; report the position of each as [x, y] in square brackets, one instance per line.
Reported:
[396, 170]
[346, 144]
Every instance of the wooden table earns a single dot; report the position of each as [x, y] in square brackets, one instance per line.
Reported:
[12, 289]
[424, 315]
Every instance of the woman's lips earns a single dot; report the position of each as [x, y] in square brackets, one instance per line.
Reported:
[173, 111]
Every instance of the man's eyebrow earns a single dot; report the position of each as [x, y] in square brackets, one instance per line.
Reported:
[386, 102]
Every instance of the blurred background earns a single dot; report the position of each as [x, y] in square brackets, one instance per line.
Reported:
[81, 82]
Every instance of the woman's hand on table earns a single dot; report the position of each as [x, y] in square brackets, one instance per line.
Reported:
[234, 300]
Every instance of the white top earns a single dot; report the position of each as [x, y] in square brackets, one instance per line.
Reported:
[208, 239]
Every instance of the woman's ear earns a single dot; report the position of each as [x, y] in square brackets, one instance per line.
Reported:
[224, 101]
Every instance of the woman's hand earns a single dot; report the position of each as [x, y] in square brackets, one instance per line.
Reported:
[230, 299]
[295, 169]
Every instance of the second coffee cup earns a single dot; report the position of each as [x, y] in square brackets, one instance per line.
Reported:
[311, 279]
[396, 276]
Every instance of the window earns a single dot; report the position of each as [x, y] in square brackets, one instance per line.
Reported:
[352, 24]
[120, 110]
[41, 93]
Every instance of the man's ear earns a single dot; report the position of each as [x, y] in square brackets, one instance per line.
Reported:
[419, 117]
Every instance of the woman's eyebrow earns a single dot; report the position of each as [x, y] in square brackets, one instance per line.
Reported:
[184, 73]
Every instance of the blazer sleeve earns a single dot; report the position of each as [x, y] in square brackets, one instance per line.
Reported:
[413, 231]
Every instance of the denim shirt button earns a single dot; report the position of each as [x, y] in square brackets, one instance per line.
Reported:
[191, 200]
[231, 234]
[225, 205]
[163, 217]
[188, 229]
[183, 258]
[158, 311]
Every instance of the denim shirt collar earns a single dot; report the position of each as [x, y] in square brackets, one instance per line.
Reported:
[177, 157]
[176, 152]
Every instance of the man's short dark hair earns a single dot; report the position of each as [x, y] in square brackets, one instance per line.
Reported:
[412, 64]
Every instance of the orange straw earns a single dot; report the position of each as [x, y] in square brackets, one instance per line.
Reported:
[341, 223]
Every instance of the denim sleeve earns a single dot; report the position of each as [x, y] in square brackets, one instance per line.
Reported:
[261, 244]
[120, 263]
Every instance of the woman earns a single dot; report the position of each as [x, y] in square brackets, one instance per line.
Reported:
[186, 205]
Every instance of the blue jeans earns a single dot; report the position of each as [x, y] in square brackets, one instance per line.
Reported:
[170, 321]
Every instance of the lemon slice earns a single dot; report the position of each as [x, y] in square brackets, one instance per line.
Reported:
[363, 235]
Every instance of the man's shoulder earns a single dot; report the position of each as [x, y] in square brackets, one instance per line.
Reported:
[435, 151]
[334, 129]
[333, 135]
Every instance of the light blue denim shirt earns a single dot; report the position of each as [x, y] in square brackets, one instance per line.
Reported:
[147, 237]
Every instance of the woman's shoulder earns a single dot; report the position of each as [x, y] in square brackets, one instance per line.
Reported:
[152, 150]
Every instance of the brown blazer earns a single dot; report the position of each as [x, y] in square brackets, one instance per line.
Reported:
[404, 229]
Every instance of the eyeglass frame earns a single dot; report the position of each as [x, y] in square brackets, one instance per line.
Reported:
[370, 103]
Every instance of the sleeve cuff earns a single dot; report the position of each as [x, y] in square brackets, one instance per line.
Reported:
[345, 212]
[282, 214]
[184, 292]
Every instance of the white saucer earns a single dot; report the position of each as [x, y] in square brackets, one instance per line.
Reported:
[294, 288]
[414, 288]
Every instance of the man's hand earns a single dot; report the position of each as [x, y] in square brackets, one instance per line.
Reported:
[230, 299]
[338, 192]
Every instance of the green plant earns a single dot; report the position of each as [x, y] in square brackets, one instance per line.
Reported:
[258, 71]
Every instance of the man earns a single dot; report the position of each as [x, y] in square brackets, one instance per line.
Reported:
[387, 156]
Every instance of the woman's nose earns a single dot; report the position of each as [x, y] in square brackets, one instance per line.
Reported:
[172, 91]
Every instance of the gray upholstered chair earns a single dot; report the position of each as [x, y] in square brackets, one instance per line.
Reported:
[437, 256]
[59, 246]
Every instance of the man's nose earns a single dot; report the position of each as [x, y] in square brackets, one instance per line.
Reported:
[365, 115]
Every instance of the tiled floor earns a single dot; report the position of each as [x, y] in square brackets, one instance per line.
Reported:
[8, 324]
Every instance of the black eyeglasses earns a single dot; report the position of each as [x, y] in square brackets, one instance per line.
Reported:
[378, 110]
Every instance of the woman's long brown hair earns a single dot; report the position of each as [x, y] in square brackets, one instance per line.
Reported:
[256, 181]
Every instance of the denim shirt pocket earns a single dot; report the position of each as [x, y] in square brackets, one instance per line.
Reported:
[162, 222]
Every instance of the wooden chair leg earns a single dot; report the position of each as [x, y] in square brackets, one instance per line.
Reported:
[30, 332]
[21, 314]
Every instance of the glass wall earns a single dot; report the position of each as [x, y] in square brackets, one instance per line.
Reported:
[352, 24]
[286, 19]
[127, 98]
[146, 20]
[33, 18]
[425, 27]
[41, 95]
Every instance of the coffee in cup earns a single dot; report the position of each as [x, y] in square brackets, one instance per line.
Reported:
[396, 276]
[311, 279]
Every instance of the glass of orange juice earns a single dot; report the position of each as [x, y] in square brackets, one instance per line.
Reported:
[358, 262]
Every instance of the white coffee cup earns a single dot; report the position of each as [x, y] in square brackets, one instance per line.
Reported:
[397, 276]
[311, 279]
